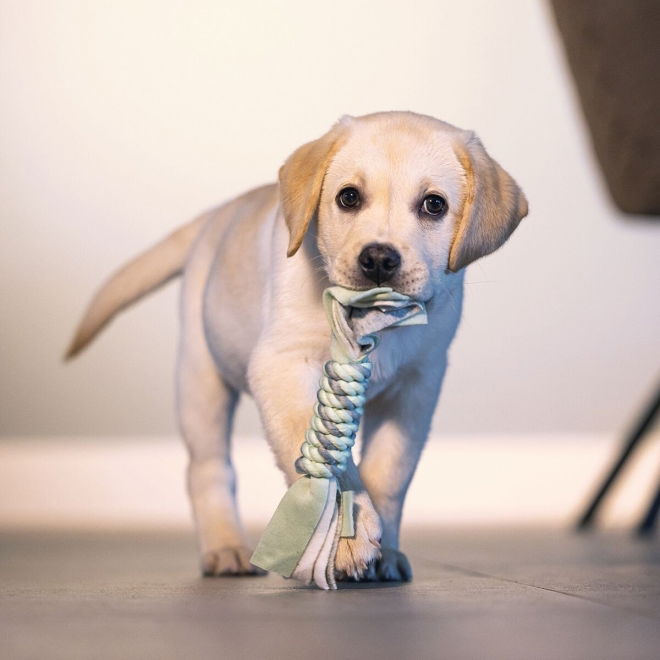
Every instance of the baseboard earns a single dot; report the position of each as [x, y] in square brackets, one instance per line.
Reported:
[126, 482]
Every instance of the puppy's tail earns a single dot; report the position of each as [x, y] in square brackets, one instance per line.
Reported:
[140, 276]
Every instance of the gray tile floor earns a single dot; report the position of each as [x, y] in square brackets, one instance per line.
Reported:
[476, 594]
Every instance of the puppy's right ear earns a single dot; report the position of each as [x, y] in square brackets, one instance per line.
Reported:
[301, 180]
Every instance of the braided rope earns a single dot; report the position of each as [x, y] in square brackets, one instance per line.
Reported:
[337, 413]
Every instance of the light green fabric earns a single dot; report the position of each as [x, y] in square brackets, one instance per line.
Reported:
[388, 309]
[291, 544]
[347, 523]
[292, 526]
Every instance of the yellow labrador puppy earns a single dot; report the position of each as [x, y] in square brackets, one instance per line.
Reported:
[393, 197]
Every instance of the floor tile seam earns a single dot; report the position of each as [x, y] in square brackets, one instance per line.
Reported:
[474, 573]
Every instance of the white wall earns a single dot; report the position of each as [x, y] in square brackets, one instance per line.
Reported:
[494, 480]
[120, 120]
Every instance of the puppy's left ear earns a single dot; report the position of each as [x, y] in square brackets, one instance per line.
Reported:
[301, 179]
[492, 209]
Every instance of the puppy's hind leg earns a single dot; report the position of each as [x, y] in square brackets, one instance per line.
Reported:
[206, 407]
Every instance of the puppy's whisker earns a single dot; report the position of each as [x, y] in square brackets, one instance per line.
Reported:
[319, 268]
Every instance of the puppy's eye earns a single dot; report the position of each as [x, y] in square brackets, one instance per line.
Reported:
[434, 205]
[348, 198]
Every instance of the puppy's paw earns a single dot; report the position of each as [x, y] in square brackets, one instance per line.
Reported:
[355, 554]
[229, 561]
[391, 566]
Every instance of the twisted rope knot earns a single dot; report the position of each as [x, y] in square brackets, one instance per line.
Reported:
[337, 413]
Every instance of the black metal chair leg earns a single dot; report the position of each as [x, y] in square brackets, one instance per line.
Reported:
[648, 523]
[642, 427]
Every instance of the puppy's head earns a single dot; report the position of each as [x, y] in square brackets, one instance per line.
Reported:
[401, 199]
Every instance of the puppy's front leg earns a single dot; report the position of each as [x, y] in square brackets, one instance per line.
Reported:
[285, 391]
[357, 554]
[395, 429]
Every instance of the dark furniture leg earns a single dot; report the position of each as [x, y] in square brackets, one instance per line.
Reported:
[648, 523]
[644, 424]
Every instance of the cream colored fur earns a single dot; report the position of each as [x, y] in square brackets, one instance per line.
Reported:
[252, 319]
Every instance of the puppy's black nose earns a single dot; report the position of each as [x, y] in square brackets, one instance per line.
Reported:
[379, 262]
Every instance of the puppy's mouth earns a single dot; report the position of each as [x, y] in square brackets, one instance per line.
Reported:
[413, 280]
[419, 294]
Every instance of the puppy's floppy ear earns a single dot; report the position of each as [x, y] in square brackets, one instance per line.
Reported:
[492, 208]
[301, 178]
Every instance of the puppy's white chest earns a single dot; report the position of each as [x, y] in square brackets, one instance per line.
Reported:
[398, 350]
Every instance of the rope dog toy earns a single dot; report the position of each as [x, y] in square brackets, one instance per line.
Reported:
[301, 539]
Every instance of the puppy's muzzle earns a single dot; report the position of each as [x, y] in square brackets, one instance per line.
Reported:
[379, 262]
